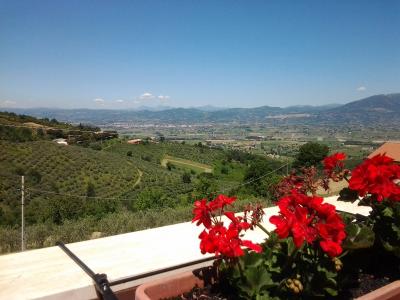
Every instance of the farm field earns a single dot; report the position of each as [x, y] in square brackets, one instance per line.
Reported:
[186, 164]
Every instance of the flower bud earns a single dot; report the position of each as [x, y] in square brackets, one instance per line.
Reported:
[298, 284]
[338, 264]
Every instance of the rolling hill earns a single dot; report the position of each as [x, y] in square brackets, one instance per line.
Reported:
[378, 108]
[389, 103]
[375, 110]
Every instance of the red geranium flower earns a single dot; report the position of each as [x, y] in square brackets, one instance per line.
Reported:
[307, 219]
[202, 213]
[334, 161]
[331, 248]
[334, 168]
[217, 238]
[377, 176]
[221, 201]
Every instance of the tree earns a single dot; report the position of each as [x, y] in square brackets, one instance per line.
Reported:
[224, 170]
[170, 166]
[90, 191]
[261, 177]
[205, 186]
[35, 176]
[311, 154]
[40, 133]
[20, 171]
[186, 178]
[151, 197]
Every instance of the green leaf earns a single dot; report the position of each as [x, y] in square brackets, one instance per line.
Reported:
[257, 279]
[388, 212]
[252, 259]
[391, 248]
[263, 297]
[331, 291]
[358, 237]
[328, 274]
[396, 229]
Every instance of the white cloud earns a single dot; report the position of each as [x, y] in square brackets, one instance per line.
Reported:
[119, 101]
[146, 96]
[136, 101]
[361, 88]
[99, 100]
[163, 97]
[7, 103]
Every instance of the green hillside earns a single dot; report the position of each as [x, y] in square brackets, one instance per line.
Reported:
[70, 182]
[53, 169]
[67, 187]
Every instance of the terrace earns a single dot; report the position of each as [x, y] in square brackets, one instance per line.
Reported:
[128, 260]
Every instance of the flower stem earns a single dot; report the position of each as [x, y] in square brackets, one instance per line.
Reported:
[242, 277]
[263, 229]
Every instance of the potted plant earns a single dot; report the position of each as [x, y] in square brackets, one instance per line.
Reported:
[313, 251]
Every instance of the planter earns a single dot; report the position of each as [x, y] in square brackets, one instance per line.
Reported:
[175, 285]
[388, 292]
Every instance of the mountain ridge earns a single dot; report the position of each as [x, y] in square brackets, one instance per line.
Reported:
[382, 108]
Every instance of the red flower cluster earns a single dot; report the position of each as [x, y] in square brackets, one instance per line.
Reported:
[378, 176]
[334, 161]
[304, 181]
[217, 238]
[203, 211]
[307, 219]
[334, 166]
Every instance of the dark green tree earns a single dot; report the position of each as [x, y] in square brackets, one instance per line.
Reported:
[35, 176]
[186, 178]
[310, 154]
[90, 190]
[170, 166]
[261, 177]
[224, 170]
[205, 185]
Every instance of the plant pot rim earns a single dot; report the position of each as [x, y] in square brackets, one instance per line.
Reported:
[390, 291]
[185, 281]
[169, 286]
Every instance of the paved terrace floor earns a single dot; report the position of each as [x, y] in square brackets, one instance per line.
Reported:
[49, 273]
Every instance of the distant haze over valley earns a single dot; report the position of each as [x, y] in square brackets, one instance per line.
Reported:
[382, 109]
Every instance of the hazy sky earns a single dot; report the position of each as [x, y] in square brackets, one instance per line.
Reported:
[118, 54]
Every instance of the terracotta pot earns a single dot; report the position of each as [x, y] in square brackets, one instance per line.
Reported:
[168, 287]
[175, 285]
[387, 292]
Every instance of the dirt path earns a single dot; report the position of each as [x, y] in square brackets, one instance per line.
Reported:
[139, 178]
[140, 175]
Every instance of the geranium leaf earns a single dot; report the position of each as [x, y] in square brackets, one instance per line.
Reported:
[358, 237]
[388, 212]
[331, 291]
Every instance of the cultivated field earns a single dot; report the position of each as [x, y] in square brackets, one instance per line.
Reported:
[186, 164]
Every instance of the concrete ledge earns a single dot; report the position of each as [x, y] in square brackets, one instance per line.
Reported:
[49, 273]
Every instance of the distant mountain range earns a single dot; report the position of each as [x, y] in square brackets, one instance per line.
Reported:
[384, 109]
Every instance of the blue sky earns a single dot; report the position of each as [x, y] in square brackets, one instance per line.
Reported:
[124, 54]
